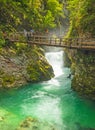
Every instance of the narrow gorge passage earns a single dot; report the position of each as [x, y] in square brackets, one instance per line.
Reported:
[52, 102]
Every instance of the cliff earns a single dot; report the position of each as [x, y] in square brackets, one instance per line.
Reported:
[82, 25]
[83, 70]
[21, 64]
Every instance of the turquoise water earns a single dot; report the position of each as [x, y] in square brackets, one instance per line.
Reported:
[52, 102]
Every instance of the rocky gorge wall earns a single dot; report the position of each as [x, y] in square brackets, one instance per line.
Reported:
[21, 64]
[83, 69]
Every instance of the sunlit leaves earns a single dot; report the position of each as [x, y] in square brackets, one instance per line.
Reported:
[55, 7]
[82, 16]
[27, 14]
[48, 20]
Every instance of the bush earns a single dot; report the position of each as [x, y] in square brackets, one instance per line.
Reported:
[2, 40]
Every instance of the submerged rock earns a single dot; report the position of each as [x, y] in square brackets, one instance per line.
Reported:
[33, 124]
[21, 64]
[1, 118]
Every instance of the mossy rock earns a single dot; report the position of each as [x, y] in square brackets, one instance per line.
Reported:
[84, 81]
[39, 71]
[33, 73]
[33, 124]
[26, 64]
[8, 81]
[83, 68]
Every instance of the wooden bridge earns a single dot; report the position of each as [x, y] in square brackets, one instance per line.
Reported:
[72, 43]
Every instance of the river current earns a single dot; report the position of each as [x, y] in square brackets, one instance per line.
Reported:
[51, 102]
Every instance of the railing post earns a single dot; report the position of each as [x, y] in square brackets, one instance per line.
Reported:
[55, 40]
[81, 41]
[77, 41]
[50, 40]
[60, 41]
[70, 42]
[65, 41]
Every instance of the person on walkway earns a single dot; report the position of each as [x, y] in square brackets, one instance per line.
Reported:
[25, 33]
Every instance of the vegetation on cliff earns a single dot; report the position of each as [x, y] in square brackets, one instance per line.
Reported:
[32, 14]
[83, 68]
[21, 63]
[82, 17]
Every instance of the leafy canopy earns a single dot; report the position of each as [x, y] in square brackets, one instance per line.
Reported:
[82, 17]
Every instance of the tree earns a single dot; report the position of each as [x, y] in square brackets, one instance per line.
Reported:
[81, 17]
[27, 14]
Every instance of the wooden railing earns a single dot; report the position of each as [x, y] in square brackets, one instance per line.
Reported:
[74, 43]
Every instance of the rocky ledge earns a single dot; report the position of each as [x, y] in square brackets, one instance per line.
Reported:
[21, 64]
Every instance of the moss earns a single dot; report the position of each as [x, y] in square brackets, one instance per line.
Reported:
[20, 47]
[26, 64]
[84, 85]
[39, 71]
[8, 80]
[38, 68]
[34, 124]
[84, 77]
[33, 73]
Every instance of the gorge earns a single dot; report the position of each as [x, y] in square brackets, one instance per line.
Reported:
[49, 88]
[48, 105]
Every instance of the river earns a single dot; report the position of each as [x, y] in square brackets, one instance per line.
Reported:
[51, 102]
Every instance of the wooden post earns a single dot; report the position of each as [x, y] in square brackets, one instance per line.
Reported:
[55, 40]
[70, 41]
[60, 41]
[50, 40]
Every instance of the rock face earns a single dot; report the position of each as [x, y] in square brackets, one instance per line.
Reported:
[21, 63]
[83, 68]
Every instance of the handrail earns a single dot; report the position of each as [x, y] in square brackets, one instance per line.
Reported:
[30, 38]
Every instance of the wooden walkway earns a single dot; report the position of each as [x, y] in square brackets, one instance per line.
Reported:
[72, 43]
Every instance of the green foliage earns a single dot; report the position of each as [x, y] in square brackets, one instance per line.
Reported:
[48, 20]
[55, 7]
[39, 71]
[2, 41]
[36, 14]
[33, 72]
[9, 13]
[20, 47]
[82, 17]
